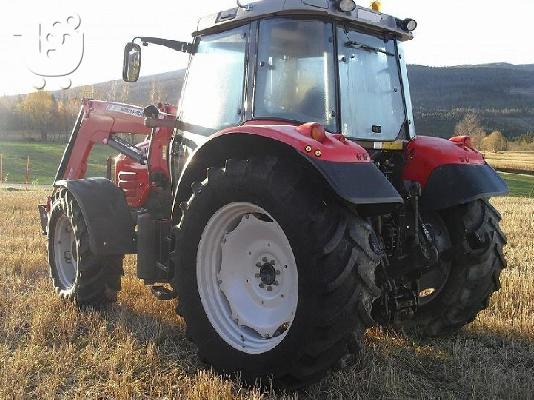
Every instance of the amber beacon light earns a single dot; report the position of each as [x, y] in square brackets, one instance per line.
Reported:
[376, 6]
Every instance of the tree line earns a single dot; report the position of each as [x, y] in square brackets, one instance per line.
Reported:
[49, 116]
[494, 140]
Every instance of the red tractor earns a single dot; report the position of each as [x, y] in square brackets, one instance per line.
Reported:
[286, 202]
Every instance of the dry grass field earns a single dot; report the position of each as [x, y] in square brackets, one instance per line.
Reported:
[520, 161]
[137, 348]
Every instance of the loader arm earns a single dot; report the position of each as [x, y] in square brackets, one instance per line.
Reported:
[100, 122]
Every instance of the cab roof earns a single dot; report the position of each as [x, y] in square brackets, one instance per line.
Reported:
[362, 17]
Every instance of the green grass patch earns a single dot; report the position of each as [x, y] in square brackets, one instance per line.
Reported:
[44, 161]
[519, 185]
[45, 157]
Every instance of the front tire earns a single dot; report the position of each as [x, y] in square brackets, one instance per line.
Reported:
[274, 277]
[76, 273]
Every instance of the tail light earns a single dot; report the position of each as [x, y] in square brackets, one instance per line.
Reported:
[314, 130]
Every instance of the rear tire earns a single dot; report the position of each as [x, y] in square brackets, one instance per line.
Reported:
[474, 269]
[76, 273]
[334, 261]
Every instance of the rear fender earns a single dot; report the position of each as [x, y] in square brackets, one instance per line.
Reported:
[450, 172]
[345, 166]
[109, 223]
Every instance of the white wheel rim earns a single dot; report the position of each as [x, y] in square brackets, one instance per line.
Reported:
[65, 257]
[247, 278]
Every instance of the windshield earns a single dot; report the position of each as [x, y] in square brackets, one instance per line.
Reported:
[371, 94]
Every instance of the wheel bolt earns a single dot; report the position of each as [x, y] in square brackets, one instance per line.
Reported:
[264, 259]
[275, 283]
[271, 262]
[257, 275]
[269, 288]
[277, 272]
[261, 285]
[258, 264]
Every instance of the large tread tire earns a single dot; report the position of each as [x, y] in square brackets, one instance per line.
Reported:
[336, 260]
[477, 261]
[97, 279]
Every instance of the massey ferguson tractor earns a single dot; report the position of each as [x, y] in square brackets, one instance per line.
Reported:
[285, 202]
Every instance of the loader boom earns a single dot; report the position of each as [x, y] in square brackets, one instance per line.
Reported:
[101, 122]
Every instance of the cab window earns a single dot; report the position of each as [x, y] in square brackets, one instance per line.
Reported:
[213, 94]
[295, 71]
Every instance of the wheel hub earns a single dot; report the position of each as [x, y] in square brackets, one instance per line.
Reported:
[268, 272]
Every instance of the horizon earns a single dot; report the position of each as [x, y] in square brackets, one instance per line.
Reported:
[183, 69]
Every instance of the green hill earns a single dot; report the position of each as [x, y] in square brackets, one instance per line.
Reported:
[502, 94]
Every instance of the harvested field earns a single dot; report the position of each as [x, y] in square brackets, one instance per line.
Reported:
[137, 348]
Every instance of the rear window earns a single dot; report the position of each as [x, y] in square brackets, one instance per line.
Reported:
[295, 71]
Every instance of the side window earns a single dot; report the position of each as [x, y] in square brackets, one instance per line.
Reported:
[372, 107]
[213, 96]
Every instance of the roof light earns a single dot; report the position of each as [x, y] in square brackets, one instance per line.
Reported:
[346, 5]
[376, 6]
[409, 24]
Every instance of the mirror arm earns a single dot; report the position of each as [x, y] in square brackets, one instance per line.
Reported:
[183, 47]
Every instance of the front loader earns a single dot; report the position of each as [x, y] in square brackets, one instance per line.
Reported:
[286, 202]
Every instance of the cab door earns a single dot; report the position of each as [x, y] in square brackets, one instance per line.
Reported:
[214, 91]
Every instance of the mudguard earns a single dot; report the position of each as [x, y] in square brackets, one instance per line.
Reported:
[345, 165]
[106, 213]
[358, 183]
[454, 184]
[450, 172]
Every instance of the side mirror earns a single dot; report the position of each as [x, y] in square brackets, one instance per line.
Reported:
[132, 62]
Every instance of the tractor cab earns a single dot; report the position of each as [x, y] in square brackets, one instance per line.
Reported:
[330, 62]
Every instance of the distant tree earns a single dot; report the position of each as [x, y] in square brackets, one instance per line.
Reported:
[495, 142]
[524, 142]
[124, 94]
[39, 110]
[4, 112]
[67, 111]
[88, 92]
[526, 138]
[155, 93]
[470, 126]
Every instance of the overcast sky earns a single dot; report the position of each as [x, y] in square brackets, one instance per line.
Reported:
[449, 33]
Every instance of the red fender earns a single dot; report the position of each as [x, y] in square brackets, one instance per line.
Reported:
[345, 165]
[333, 147]
[424, 154]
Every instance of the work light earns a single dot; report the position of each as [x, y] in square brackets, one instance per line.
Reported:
[409, 24]
[347, 5]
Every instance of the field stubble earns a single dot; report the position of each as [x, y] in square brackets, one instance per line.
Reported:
[517, 161]
[137, 348]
